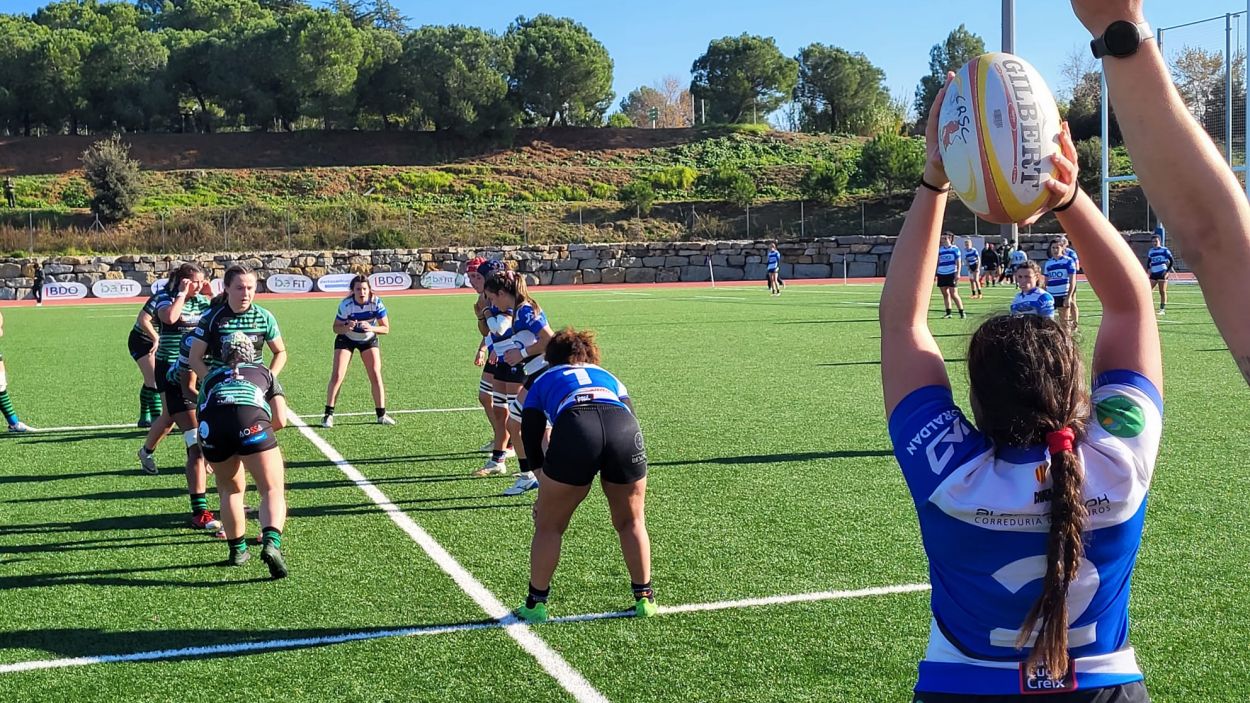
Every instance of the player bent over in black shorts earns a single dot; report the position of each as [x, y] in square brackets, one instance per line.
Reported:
[594, 432]
[241, 406]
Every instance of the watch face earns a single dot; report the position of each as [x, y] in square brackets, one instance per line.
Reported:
[1121, 38]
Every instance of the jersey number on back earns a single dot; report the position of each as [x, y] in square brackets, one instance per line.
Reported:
[1022, 572]
[583, 378]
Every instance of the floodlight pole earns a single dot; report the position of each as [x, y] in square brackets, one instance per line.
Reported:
[1228, 88]
[1012, 232]
[1247, 67]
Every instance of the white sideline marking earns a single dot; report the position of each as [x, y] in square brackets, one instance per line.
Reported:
[548, 658]
[132, 426]
[295, 643]
[716, 297]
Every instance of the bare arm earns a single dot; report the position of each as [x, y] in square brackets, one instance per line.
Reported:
[1189, 183]
[278, 347]
[277, 417]
[195, 357]
[343, 326]
[1128, 337]
[382, 326]
[910, 357]
[144, 321]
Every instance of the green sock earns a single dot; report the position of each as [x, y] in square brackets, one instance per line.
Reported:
[149, 402]
[199, 503]
[6, 406]
[271, 535]
[238, 545]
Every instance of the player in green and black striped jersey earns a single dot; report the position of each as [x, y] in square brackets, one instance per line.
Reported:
[6, 405]
[241, 406]
[142, 346]
[233, 311]
[178, 311]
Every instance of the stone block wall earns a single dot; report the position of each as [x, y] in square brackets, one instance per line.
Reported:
[563, 264]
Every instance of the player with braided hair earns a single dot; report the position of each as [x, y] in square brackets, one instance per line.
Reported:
[1032, 517]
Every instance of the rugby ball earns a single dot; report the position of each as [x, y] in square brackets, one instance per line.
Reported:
[998, 126]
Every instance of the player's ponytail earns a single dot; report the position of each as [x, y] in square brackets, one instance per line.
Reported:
[570, 346]
[1028, 389]
[513, 284]
[183, 272]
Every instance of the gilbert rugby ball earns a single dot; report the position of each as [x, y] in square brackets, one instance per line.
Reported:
[998, 127]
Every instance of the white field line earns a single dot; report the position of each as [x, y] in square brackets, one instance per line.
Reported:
[132, 426]
[548, 658]
[296, 643]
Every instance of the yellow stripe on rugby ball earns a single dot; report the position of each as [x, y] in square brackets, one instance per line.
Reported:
[998, 128]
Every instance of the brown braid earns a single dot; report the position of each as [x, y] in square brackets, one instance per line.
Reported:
[1028, 380]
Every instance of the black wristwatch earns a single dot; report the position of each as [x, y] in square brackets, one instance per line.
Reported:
[1121, 39]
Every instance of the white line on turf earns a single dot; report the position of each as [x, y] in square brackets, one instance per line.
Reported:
[132, 426]
[548, 658]
[295, 643]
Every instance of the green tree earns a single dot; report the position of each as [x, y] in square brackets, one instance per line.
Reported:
[380, 79]
[889, 161]
[960, 47]
[455, 77]
[560, 72]
[326, 52]
[620, 120]
[838, 91]
[114, 177]
[639, 195]
[743, 77]
[825, 182]
[121, 81]
[376, 14]
[19, 50]
[638, 104]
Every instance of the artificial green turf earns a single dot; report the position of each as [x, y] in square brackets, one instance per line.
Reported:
[771, 474]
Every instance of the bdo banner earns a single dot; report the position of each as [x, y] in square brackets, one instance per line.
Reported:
[390, 280]
[69, 290]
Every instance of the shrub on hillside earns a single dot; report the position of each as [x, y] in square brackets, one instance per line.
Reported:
[640, 195]
[114, 177]
[731, 185]
[620, 120]
[674, 178]
[889, 161]
[825, 182]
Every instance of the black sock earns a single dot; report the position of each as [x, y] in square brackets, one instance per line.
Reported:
[497, 455]
[329, 410]
[380, 411]
[523, 464]
[536, 596]
[271, 535]
[948, 311]
[238, 544]
[643, 590]
[199, 503]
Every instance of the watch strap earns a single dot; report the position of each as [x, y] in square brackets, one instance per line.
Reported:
[1099, 44]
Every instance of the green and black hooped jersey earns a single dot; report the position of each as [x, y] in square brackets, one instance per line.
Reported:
[247, 385]
[220, 322]
[171, 335]
[150, 308]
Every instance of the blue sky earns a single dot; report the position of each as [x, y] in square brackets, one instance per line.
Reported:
[649, 39]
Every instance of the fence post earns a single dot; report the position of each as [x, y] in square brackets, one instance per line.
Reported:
[863, 218]
[748, 222]
[31, 230]
[802, 221]
[225, 239]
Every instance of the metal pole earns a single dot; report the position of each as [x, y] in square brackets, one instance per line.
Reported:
[1011, 231]
[748, 222]
[1247, 66]
[802, 221]
[1106, 151]
[31, 226]
[1228, 88]
[863, 218]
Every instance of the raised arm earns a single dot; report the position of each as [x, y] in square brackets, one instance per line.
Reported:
[1187, 179]
[1128, 337]
[910, 357]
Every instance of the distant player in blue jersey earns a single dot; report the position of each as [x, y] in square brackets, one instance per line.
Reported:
[1074, 312]
[502, 382]
[774, 269]
[972, 259]
[594, 431]
[519, 349]
[1160, 262]
[1032, 298]
[241, 407]
[1031, 518]
[1060, 273]
[948, 259]
[493, 404]
[360, 319]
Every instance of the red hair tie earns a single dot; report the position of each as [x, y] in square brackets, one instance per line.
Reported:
[1061, 440]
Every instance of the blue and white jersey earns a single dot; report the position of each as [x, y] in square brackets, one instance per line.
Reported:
[984, 515]
[972, 258]
[774, 260]
[948, 261]
[568, 384]
[353, 312]
[1071, 254]
[522, 331]
[1160, 259]
[1018, 258]
[1060, 274]
[1035, 302]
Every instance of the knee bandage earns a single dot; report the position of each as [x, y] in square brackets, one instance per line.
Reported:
[498, 399]
[483, 386]
[514, 408]
[191, 437]
[4, 381]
